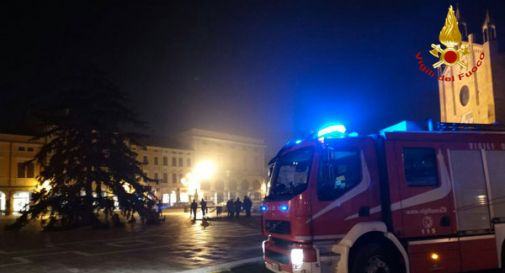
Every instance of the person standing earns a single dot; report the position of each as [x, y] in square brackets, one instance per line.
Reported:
[229, 208]
[203, 205]
[247, 205]
[238, 207]
[194, 207]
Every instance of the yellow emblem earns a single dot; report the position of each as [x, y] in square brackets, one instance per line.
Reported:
[451, 38]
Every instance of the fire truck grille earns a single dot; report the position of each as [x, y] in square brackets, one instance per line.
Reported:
[281, 243]
[278, 257]
[281, 227]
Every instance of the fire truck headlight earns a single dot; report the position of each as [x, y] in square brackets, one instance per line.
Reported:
[263, 208]
[283, 208]
[297, 257]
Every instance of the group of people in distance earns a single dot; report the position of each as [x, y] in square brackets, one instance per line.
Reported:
[194, 208]
[233, 207]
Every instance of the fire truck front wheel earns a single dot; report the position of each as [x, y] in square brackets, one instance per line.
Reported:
[374, 258]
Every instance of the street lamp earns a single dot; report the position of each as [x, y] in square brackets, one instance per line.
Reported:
[203, 171]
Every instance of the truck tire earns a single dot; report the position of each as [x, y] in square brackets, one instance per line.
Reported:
[374, 258]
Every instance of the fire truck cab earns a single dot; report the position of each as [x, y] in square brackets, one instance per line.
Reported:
[402, 200]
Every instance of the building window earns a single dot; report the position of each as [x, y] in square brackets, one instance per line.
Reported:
[188, 162]
[21, 148]
[165, 161]
[26, 170]
[181, 162]
[165, 178]
[464, 95]
[155, 160]
[145, 160]
[29, 149]
[174, 161]
[420, 166]
[174, 178]
[156, 177]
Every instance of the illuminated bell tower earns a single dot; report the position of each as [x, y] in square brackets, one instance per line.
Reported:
[475, 95]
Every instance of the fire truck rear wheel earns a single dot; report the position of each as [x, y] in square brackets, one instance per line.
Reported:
[374, 258]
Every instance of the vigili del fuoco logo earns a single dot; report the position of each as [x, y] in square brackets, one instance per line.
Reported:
[453, 52]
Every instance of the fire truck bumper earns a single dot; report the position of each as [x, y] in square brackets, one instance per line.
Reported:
[306, 259]
[283, 268]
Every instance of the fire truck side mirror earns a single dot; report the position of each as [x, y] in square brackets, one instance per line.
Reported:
[445, 221]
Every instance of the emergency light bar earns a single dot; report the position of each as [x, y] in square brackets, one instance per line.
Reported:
[333, 129]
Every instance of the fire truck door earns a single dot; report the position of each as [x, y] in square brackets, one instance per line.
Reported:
[424, 201]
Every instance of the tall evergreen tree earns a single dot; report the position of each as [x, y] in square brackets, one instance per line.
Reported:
[86, 159]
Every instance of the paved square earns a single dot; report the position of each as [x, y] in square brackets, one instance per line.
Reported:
[177, 245]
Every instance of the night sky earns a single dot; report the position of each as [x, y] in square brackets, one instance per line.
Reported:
[268, 69]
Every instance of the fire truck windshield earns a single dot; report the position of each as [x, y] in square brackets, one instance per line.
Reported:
[290, 174]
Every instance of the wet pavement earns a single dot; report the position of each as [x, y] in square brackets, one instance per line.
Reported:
[177, 245]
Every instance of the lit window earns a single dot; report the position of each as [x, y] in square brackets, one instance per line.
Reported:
[21, 199]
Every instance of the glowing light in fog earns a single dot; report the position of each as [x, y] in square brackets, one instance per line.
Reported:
[339, 128]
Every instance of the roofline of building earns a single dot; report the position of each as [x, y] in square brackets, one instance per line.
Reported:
[19, 138]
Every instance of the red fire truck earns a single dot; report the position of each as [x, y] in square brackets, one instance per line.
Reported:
[403, 200]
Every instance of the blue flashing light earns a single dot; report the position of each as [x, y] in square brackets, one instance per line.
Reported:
[298, 141]
[263, 208]
[333, 129]
[283, 208]
[353, 134]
